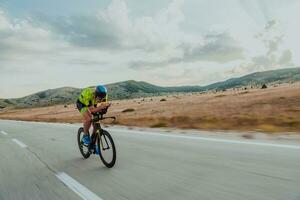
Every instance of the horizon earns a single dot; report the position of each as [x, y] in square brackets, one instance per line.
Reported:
[167, 43]
[146, 82]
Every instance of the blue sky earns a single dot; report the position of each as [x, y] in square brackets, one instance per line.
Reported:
[49, 44]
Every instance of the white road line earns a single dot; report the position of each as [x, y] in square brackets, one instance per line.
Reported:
[21, 144]
[211, 139]
[79, 189]
[3, 132]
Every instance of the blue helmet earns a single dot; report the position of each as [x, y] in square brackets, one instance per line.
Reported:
[101, 91]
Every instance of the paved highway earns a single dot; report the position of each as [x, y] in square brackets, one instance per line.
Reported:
[42, 161]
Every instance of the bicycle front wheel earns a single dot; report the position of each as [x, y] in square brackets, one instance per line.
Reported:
[107, 149]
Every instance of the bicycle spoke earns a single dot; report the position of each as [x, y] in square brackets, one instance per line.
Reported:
[107, 151]
[101, 142]
[107, 146]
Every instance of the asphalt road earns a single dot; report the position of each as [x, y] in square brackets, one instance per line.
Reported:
[42, 161]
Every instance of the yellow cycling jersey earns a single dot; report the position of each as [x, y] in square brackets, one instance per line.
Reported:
[87, 97]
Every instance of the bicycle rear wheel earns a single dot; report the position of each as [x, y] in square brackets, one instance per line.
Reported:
[107, 149]
[84, 150]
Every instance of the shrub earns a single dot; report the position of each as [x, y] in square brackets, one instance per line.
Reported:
[244, 92]
[163, 100]
[264, 86]
[7, 101]
[159, 124]
[248, 136]
[128, 110]
[42, 95]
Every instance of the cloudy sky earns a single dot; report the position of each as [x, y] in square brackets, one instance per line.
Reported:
[54, 43]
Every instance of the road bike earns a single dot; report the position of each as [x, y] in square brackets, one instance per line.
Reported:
[100, 139]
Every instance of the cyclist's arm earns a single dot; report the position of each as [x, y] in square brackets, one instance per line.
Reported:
[93, 109]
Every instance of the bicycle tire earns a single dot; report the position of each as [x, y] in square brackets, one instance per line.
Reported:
[108, 164]
[80, 145]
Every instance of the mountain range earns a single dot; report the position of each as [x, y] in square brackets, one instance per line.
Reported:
[134, 89]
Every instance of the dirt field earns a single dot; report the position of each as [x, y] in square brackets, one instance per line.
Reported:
[275, 109]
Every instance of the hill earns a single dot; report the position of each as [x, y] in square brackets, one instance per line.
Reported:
[134, 89]
[259, 78]
[43, 98]
[121, 90]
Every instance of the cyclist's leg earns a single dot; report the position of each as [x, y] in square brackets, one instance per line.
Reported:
[94, 129]
[87, 117]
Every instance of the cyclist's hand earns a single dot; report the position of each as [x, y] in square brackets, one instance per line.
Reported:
[106, 105]
[103, 111]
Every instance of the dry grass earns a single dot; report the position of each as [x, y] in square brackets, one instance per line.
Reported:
[275, 109]
[221, 95]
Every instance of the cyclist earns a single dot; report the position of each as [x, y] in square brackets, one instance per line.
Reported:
[87, 105]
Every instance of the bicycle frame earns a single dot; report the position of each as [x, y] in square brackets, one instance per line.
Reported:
[97, 117]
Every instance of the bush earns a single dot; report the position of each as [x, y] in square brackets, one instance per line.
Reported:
[159, 124]
[248, 136]
[128, 110]
[163, 100]
[7, 101]
[264, 86]
[42, 95]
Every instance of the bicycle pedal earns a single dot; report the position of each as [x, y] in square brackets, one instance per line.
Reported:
[93, 151]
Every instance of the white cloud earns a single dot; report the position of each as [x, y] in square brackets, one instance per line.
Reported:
[274, 57]
[33, 58]
[4, 24]
[185, 42]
